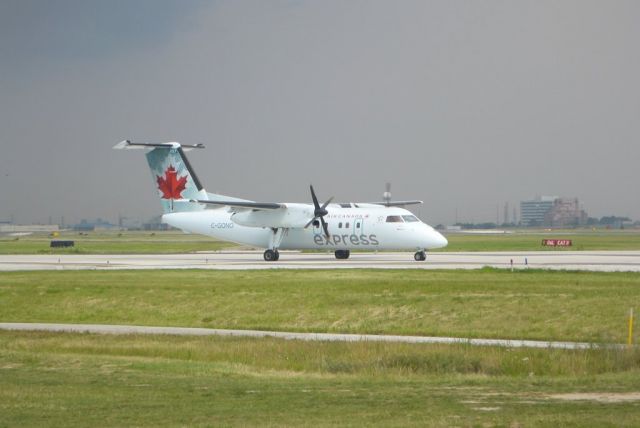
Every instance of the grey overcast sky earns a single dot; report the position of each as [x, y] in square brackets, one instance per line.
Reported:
[464, 104]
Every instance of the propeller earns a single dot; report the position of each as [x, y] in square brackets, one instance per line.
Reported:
[319, 212]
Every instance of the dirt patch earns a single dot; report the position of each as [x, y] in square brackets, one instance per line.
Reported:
[602, 397]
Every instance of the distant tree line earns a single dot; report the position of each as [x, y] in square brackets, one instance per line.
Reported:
[488, 225]
[610, 221]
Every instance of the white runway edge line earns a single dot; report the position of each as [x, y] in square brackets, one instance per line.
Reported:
[321, 337]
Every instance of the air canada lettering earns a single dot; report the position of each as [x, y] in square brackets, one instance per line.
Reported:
[346, 239]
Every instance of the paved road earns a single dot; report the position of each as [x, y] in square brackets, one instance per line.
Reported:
[572, 260]
[325, 337]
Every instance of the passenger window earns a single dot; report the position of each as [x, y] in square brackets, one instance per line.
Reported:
[340, 225]
[357, 225]
[394, 219]
[410, 218]
[346, 226]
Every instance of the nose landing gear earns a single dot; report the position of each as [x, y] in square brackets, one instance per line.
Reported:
[420, 256]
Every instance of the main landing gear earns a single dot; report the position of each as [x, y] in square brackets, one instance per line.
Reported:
[277, 234]
[420, 256]
[271, 256]
[342, 254]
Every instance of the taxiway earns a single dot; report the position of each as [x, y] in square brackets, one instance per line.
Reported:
[322, 337]
[239, 260]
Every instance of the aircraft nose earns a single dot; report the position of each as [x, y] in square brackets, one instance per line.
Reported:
[438, 241]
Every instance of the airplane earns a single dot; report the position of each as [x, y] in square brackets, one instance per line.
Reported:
[280, 225]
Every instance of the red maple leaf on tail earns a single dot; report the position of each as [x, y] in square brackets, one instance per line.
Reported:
[170, 185]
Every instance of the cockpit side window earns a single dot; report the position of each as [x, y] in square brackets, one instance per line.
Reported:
[394, 219]
[410, 218]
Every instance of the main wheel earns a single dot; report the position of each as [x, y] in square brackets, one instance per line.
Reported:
[420, 256]
[342, 254]
[277, 255]
[270, 256]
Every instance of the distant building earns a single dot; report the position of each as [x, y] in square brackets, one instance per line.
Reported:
[565, 212]
[155, 224]
[98, 224]
[552, 211]
[532, 212]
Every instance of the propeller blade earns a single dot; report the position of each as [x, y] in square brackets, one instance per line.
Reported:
[310, 221]
[319, 211]
[325, 227]
[327, 203]
[313, 196]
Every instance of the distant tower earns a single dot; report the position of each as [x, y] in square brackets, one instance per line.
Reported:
[505, 218]
[514, 219]
[386, 196]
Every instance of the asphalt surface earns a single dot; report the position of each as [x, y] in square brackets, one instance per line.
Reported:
[567, 260]
[323, 337]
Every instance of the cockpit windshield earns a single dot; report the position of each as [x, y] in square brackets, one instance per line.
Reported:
[394, 219]
[410, 218]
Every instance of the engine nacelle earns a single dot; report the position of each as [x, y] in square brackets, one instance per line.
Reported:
[293, 215]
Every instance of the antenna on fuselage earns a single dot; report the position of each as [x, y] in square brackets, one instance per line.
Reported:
[386, 196]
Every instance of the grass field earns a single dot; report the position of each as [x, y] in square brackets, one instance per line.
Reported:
[543, 305]
[53, 379]
[526, 241]
[88, 380]
[161, 242]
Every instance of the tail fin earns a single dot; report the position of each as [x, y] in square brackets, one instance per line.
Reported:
[172, 174]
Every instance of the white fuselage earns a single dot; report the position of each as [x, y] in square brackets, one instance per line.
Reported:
[349, 228]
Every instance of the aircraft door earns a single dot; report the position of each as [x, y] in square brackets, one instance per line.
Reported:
[358, 228]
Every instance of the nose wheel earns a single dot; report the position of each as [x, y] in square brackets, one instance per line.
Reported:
[420, 256]
[271, 256]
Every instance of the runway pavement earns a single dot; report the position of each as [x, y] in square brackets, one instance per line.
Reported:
[326, 337]
[239, 260]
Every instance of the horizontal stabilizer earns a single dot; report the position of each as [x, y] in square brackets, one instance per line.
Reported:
[128, 145]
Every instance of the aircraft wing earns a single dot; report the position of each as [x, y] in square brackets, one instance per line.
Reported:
[396, 203]
[244, 204]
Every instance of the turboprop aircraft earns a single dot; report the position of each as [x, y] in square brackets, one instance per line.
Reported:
[280, 225]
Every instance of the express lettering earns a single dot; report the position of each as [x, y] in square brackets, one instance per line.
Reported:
[354, 240]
